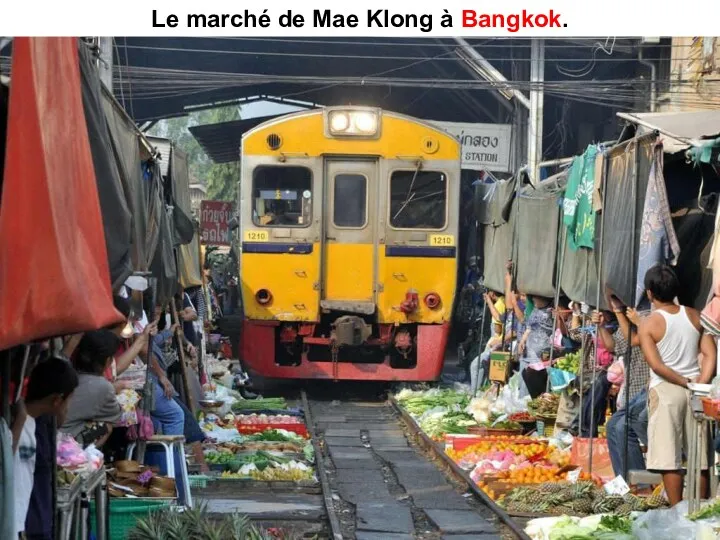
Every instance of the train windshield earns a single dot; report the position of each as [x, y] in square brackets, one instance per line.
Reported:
[418, 199]
[282, 196]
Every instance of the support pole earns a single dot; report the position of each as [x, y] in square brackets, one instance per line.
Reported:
[597, 305]
[628, 352]
[105, 44]
[535, 123]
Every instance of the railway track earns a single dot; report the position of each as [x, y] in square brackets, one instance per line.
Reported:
[383, 479]
[380, 478]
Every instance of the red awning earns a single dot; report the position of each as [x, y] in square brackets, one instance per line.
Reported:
[54, 276]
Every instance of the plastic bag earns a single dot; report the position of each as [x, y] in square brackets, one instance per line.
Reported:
[666, 524]
[715, 389]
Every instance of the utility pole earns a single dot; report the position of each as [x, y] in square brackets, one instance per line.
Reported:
[483, 69]
[535, 123]
[105, 65]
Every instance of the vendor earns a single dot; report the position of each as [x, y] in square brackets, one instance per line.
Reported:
[496, 304]
[170, 415]
[636, 383]
[93, 408]
[537, 337]
[595, 402]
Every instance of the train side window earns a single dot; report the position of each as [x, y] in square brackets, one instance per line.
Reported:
[350, 200]
[282, 196]
[418, 199]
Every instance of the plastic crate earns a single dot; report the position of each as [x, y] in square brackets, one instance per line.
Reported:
[249, 429]
[199, 481]
[124, 514]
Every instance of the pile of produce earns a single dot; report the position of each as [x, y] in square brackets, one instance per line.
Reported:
[545, 406]
[482, 450]
[260, 404]
[417, 402]
[521, 418]
[570, 362]
[272, 471]
[437, 424]
[579, 499]
[712, 510]
[590, 528]
[274, 435]
[504, 425]
[269, 419]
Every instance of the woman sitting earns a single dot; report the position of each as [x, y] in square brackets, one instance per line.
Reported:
[93, 408]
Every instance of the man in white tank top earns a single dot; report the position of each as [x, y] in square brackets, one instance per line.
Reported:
[672, 340]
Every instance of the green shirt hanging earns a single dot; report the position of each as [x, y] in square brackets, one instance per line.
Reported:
[578, 214]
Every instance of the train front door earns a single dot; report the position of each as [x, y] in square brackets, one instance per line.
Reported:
[350, 236]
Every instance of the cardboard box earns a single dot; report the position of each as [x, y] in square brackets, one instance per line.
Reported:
[499, 367]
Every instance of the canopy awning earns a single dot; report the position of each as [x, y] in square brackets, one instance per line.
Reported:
[679, 130]
[222, 141]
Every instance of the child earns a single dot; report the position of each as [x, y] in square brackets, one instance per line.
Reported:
[51, 384]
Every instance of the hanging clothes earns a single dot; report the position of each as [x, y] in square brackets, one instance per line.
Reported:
[578, 213]
[658, 241]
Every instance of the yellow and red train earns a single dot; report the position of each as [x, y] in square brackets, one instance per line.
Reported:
[349, 223]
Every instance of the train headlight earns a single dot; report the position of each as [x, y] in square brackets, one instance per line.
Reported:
[339, 122]
[365, 122]
[353, 122]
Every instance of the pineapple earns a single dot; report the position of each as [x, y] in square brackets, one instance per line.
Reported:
[552, 487]
[607, 504]
[654, 501]
[624, 509]
[581, 506]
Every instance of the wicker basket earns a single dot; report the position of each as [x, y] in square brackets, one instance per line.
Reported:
[492, 432]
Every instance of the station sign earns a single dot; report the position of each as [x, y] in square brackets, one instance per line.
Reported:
[215, 219]
[484, 146]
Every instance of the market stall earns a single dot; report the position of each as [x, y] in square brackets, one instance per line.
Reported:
[494, 442]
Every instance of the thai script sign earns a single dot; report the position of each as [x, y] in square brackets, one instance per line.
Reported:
[484, 146]
[215, 217]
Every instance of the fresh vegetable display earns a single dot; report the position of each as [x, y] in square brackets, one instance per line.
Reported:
[590, 528]
[570, 362]
[545, 406]
[440, 423]
[219, 458]
[710, 511]
[418, 402]
[279, 419]
[521, 417]
[274, 435]
[260, 404]
[504, 425]
[288, 471]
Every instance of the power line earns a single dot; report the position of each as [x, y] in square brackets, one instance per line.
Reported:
[448, 56]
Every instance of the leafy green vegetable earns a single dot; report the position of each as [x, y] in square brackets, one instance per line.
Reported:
[273, 435]
[616, 524]
[260, 404]
[709, 511]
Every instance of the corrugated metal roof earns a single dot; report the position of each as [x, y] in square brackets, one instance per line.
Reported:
[679, 130]
[222, 141]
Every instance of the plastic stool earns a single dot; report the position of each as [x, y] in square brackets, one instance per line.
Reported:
[170, 444]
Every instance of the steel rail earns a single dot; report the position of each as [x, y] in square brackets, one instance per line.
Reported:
[320, 467]
[480, 494]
